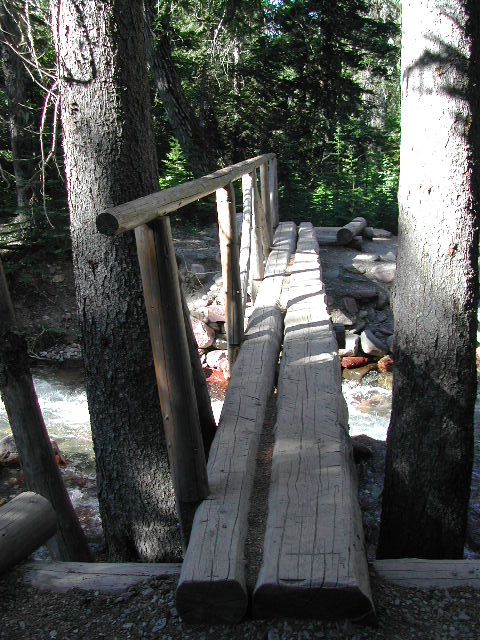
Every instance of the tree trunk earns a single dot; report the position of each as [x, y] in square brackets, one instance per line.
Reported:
[33, 444]
[15, 92]
[430, 438]
[110, 158]
[185, 126]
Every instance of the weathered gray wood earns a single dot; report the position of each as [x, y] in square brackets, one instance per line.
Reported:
[246, 244]
[265, 187]
[132, 214]
[346, 233]
[26, 522]
[314, 561]
[327, 235]
[229, 252]
[172, 367]
[212, 583]
[95, 576]
[257, 264]
[38, 462]
[273, 185]
[430, 574]
[265, 232]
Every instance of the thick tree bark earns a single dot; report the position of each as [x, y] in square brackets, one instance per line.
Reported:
[430, 438]
[110, 158]
[185, 126]
[15, 92]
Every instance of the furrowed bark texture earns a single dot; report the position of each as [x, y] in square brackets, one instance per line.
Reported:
[430, 438]
[110, 158]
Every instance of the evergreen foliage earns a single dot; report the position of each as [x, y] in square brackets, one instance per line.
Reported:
[314, 81]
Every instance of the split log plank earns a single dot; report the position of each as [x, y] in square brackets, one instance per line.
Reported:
[212, 585]
[354, 228]
[26, 522]
[131, 215]
[430, 574]
[314, 561]
[105, 577]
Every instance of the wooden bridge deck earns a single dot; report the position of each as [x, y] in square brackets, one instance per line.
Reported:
[314, 561]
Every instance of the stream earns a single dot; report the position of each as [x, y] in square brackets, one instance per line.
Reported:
[63, 401]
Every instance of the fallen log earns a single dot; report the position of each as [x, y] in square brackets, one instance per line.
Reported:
[26, 522]
[354, 228]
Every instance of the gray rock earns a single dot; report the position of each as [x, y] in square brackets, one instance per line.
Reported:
[382, 233]
[352, 345]
[371, 345]
[350, 305]
[384, 272]
[366, 257]
[389, 257]
[340, 317]
[382, 300]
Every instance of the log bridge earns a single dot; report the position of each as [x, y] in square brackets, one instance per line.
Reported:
[314, 562]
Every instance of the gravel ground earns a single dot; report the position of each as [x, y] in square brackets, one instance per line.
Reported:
[148, 611]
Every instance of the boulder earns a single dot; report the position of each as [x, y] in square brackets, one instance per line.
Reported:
[214, 358]
[350, 305]
[384, 272]
[389, 257]
[352, 344]
[385, 364]
[382, 233]
[216, 313]
[9, 454]
[340, 317]
[371, 345]
[204, 335]
[352, 362]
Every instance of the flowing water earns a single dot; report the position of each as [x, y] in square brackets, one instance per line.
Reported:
[63, 401]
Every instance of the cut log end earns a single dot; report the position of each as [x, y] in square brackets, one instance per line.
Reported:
[212, 602]
[322, 602]
[26, 522]
[107, 224]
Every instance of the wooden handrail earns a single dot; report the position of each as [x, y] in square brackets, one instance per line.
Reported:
[188, 424]
[132, 214]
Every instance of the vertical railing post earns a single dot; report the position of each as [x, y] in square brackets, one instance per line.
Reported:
[265, 187]
[262, 221]
[245, 247]
[256, 261]
[229, 252]
[172, 367]
[273, 188]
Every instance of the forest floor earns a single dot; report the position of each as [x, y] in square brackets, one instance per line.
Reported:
[45, 308]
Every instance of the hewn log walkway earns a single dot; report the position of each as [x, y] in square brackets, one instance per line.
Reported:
[314, 561]
[212, 584]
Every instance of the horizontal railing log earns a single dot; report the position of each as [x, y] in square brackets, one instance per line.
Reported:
[187, 418]
[130, 215]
